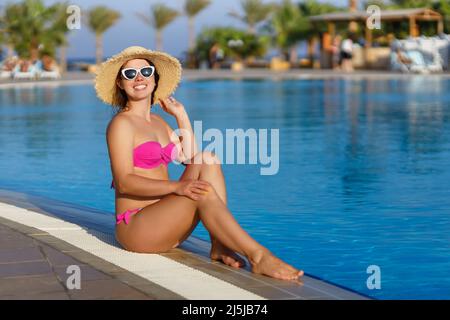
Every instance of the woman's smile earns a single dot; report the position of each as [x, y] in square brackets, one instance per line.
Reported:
[140, 87]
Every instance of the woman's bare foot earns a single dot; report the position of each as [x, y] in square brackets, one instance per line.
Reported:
[221, 253]
[264, 262]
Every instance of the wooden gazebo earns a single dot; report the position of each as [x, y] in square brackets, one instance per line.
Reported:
[410, 15]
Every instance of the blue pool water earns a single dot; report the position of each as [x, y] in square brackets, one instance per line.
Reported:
[363, 177]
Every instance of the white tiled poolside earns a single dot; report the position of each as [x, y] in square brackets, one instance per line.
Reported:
[185, 272]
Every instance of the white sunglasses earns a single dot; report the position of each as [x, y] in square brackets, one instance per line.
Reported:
[131, 73]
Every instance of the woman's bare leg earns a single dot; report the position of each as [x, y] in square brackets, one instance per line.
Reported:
[186, 224]
[206, 166]
[168, 222]
[220, 222]
[162, 225]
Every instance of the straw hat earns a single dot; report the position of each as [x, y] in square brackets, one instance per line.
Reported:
[168, 68]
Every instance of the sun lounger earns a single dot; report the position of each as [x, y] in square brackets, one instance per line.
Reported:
[426, 55]
[30, 74]
[45, 74]
[24, 75]
[397, 65]
[418, 64]
[5, 74]
[49, 75]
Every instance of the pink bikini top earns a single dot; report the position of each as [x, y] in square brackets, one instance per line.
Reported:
[151, 154]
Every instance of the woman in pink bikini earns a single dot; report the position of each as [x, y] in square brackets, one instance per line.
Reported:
[155, 214]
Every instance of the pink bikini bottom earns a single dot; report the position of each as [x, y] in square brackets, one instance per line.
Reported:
[126, 215]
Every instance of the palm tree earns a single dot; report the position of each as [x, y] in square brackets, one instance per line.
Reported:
[6, 37]
[289, 27]
[160, 17]
[59, 32]
[310, 8]
[443, 6]
[353, 7]
[255, 11]
[2, 28]
[28, 27]
[31, 28]
[100, 19]
[252, 45]
[192, 8]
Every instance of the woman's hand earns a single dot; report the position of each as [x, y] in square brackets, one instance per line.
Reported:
[193, 189]
[172, 106]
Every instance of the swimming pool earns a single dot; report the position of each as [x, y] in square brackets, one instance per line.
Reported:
[363, 174]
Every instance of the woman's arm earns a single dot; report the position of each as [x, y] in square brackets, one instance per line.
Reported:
[136, 185]
[186, 139]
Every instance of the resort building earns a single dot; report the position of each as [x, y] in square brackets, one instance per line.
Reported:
[368, 56]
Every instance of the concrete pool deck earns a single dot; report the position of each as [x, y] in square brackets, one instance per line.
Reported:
[40, 238]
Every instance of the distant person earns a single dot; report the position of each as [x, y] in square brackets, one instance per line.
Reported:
[48, 63]
[25, 65]
[154, 213]
[9, 64]
[8, 67]
[216, 56]
[347, 55]
[402, 57]
[336, 52]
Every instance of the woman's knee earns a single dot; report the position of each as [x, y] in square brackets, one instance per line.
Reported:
[211, 194]
[210, 158]
[204, 157]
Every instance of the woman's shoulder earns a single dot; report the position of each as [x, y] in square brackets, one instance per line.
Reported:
[119, 122]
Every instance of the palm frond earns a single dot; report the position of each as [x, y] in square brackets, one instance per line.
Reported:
[162, 15]
[102, 18]
[193, 7]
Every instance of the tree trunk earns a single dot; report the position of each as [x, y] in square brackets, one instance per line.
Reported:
[10, 51]
[251, 29]
[312, 51]
[353, 7]
[34, 54]
[159, 44]
[98, 48]
[312, 46]
[191, 27]
[285, 54]
[293, 55]
[62, 59]
[34, 50]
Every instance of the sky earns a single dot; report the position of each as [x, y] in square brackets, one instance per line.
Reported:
[130, 30]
